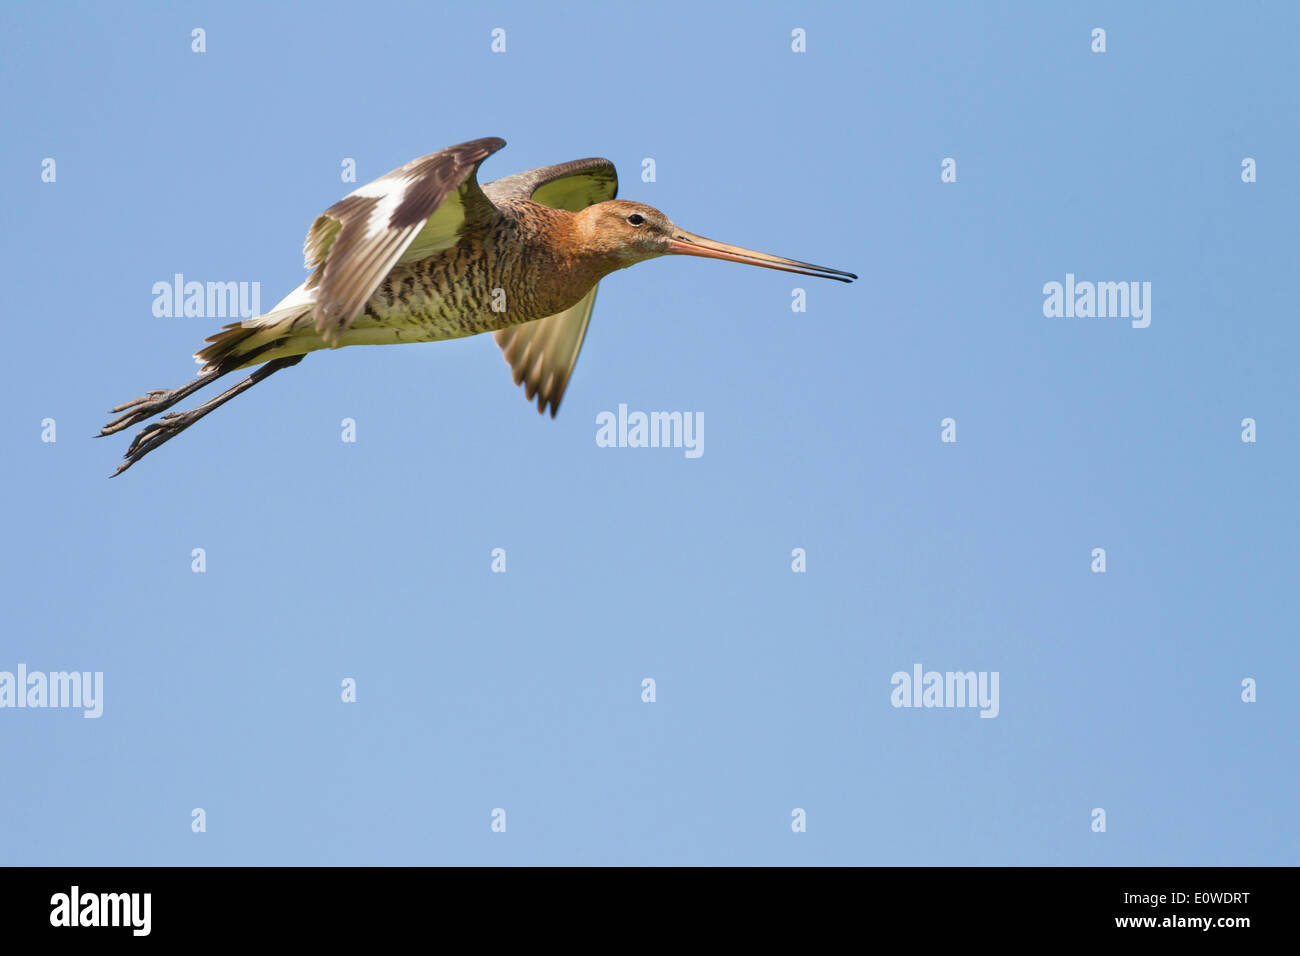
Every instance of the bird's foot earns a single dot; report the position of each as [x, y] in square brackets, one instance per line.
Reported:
[138, 409]
[173, 423]
[166, 428]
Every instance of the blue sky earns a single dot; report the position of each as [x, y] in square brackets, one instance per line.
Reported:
[371, 560]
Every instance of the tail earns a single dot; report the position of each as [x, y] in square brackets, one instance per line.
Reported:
[286, 330]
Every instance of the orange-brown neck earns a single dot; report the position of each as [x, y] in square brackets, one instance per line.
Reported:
[559, 257]
[577, 239]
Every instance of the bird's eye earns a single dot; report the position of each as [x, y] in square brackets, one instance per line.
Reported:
[635, 219]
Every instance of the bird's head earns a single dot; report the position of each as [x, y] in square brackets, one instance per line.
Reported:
[623, 233]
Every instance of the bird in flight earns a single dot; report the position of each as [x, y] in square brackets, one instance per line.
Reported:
[425, 253]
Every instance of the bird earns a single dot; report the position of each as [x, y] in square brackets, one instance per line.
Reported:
[424, 253]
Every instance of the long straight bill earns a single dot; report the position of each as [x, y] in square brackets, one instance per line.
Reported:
[689, 244]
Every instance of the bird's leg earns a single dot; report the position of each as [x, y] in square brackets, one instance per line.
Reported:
[161, 399]
[158, 400]
[173, 423]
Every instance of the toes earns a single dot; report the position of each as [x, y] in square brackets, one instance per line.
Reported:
[144, 436]
[131, 404]
[137, 410]
[157, 433]
[117, 424]
[153, 395]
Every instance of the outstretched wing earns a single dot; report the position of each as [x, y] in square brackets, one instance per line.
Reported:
[414, 211]
[542, 354]
[570, 186]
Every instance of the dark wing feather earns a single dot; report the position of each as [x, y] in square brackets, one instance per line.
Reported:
[542, 354]
[411, 212]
